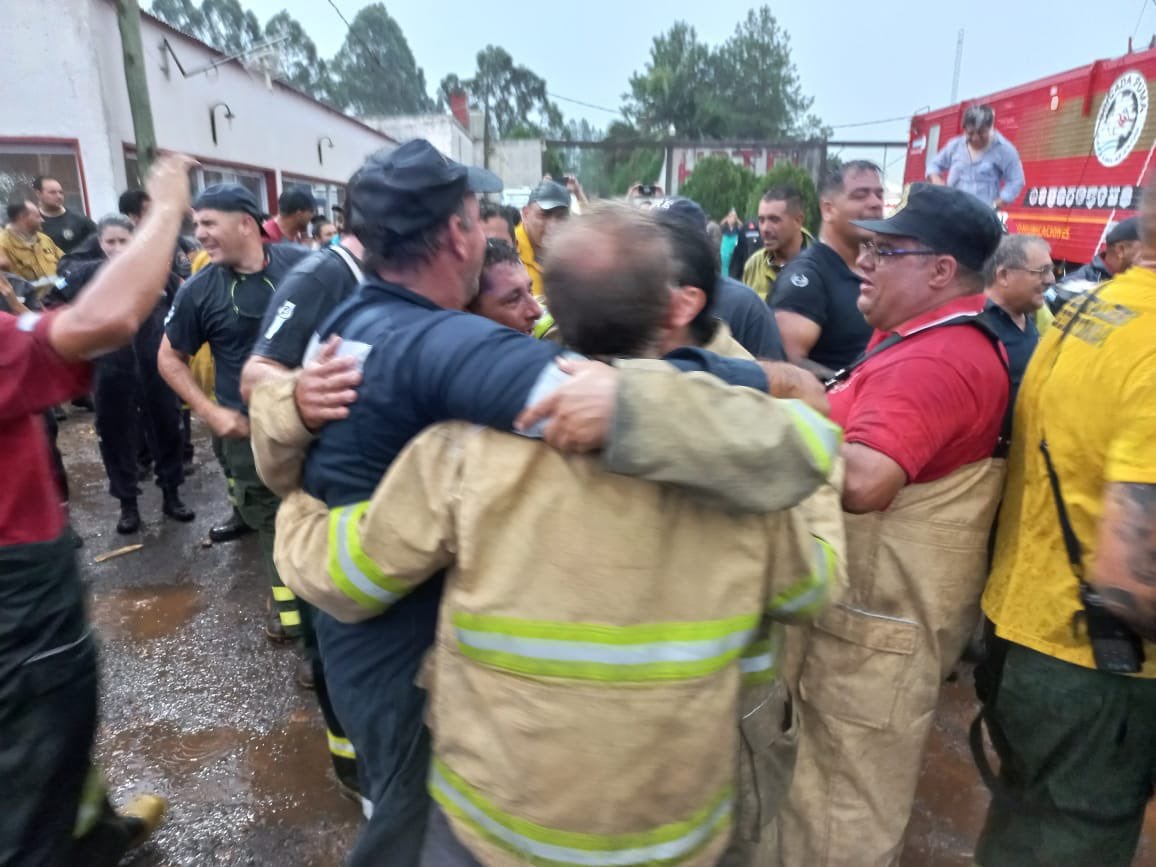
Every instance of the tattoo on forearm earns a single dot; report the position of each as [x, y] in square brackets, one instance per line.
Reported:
[1136, 528]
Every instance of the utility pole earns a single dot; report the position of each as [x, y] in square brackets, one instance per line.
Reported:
[136, 82]
[958, 65]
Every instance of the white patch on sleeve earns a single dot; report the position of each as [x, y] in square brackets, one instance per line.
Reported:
[284, 314]
[27, 321]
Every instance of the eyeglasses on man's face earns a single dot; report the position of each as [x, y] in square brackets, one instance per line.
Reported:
[874, 252]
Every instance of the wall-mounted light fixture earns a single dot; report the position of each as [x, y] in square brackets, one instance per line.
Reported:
[323, 138]
[213, 117]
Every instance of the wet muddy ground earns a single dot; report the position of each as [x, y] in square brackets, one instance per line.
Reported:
[199, 707]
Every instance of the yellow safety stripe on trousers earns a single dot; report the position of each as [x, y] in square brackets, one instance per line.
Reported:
[760, 661]
[615, 654]
[351, 569]
[91, 805]
[667, 844]
[805, 598]
[281, 593]
[341, 747]
[822, 436]
[290, 619]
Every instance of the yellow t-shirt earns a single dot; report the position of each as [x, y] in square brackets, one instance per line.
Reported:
[1093, 397]
[526, 251]
[33, 259]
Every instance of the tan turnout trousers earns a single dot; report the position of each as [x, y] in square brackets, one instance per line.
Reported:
[872, 665]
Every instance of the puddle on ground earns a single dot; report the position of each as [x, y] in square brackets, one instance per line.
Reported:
[283, 775]
[145, 613]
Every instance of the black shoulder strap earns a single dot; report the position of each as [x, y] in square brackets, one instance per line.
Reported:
[1071, 540]
[975, 320]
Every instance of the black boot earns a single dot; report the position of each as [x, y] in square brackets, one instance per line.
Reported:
[232, 528]
[129, 517]
[175, 509]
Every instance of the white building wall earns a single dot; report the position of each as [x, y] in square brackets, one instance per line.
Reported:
[81, 94]
[441, 130]
[518, 162]
[53, 87]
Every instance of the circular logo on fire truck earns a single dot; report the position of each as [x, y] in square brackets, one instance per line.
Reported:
[1121, 119]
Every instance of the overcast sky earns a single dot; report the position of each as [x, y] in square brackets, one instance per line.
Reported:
[877, 59]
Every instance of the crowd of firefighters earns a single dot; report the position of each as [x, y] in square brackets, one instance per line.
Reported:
[599, 556]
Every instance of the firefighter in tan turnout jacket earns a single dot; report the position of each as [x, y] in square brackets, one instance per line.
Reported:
[585, 682]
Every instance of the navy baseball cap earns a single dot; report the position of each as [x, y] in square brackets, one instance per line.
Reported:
[409, 188]
[947, 220]
[1125, 230]
[686, 208]
[550, 195]
[230, 197]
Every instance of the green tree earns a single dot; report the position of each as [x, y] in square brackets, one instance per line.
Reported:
[718, 185]
[673, 95]
[796, 176]
[228, 27]
[374, 71]
[303, 67]
[514, 97]
[184, 15]
[746, 88]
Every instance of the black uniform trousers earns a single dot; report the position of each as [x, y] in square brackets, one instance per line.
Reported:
[48, 715]
[132, 399]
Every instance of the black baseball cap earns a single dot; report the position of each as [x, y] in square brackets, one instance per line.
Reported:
[230, 197]
[683, 207]
[1125, 230]
[409, 188]
[947, 220]
[550, 195]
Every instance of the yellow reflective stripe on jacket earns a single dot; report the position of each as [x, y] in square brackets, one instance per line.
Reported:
[760, 661]
[822, 436]
[543, 325]
[590, 651]
[806, 597]
[340, 746]
[354, 573]
[541, 845]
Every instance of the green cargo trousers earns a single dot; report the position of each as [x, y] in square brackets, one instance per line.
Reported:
[258, 506]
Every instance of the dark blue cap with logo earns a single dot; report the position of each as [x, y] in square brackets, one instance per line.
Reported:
[689, 209]
[401, 191]
[229, 197]
[947, 220]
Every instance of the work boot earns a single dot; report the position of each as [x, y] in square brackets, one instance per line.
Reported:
[276, 631]
[232, 528]
[175, 508]
[142, 816]
[303, 674]
[129, 517]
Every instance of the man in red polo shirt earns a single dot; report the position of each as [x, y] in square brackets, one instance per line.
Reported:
[48, 676]
[291, 225]
[922, 412]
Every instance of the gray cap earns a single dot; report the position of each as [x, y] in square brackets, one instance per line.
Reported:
[1125, 230]
[550, 195]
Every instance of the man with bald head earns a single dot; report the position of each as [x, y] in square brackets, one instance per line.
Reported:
[664, 640]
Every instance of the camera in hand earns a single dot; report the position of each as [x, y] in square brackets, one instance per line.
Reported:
[647, 190]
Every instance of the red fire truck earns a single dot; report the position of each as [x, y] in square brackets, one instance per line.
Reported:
[1086, 138]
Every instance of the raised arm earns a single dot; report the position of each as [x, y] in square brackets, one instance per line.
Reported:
[113, 306]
